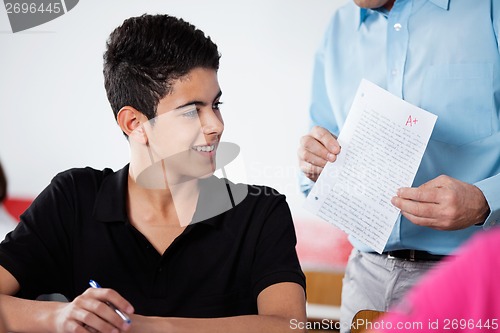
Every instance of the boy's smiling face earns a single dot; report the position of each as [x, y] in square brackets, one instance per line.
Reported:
[188, 126]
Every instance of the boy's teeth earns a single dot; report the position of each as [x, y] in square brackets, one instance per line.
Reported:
[204, 148]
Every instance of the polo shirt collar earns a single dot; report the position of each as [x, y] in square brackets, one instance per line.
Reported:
[364, 13]
[214, 201]
[110, 204]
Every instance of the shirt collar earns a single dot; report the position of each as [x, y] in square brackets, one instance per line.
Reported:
[215, 194]
[445, 4]
[364, 13]
[110, 204]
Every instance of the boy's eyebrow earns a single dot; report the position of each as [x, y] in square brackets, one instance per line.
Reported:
[199, 102]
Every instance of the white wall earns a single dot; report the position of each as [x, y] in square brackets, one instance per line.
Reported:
[54, 111]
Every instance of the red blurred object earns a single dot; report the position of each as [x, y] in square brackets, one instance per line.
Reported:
[320, 245]
[16, 206]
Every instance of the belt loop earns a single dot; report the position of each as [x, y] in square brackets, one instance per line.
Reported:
[412, 255]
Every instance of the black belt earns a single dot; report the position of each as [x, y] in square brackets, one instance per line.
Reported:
[414, 255]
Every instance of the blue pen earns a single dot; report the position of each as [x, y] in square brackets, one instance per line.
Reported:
[122, 315]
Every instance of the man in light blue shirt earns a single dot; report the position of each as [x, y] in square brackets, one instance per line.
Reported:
[442, 56]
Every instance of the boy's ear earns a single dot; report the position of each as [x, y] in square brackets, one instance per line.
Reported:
[129, 120]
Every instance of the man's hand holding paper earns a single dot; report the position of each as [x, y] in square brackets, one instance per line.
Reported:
[443, 203]
[316, 148]
[383, 141]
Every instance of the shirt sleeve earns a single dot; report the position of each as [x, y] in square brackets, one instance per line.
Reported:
[491, 186]
[495, 16]
[275, 259]
[491, 190]
[455, 296]
[305, 184]
[320, 109]
[37, 252]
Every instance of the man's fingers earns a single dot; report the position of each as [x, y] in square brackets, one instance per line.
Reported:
[437, 223]
[318, 147]
[421, 194]
[311, 171]
[422, 221]
[309, 157]
[443, 203]
[416, 208]
[313, 157]
[313, 151]
[327, 139]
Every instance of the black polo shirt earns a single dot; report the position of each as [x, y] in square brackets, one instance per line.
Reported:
[77, 229]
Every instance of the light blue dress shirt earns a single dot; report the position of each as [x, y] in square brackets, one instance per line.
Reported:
[440, 55]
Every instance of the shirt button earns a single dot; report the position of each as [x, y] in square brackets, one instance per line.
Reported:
[397, 26]
[394, 72]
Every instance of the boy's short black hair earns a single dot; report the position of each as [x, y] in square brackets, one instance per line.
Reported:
[146, 54]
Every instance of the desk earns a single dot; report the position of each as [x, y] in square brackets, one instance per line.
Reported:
[322, 311]
[323, 300]
[326, 317]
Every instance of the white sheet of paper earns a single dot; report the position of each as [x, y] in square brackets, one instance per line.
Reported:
[383, 141]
